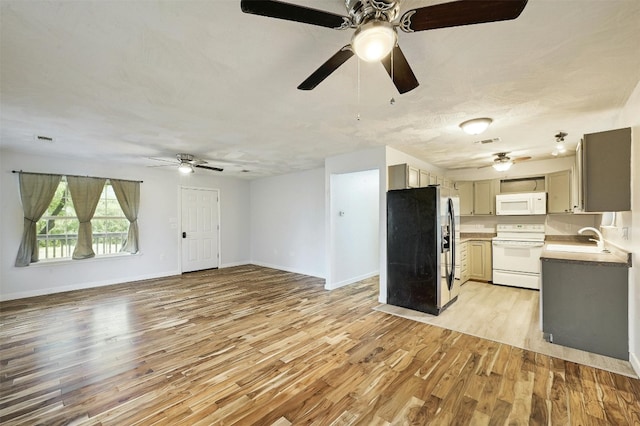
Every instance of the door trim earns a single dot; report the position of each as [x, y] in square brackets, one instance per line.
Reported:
[179, 234]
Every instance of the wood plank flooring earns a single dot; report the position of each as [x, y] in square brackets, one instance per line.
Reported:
[251, 345]
[507, 315]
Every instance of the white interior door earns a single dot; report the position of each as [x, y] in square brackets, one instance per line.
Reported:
[199, 229]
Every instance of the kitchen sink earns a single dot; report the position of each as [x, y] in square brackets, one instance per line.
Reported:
[572, 248]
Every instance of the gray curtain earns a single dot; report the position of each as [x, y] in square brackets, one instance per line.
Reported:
[36, 193]
[85, 194]
[128, 195]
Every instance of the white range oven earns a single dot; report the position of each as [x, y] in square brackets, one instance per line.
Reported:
[516, 255]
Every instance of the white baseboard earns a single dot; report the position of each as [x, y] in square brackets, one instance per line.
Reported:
[232, 264]
[285, 268]
[635, 362]
[333, 286]
[83, 286]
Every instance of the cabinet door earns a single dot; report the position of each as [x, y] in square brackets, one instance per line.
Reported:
[484, 197]
[424, 178]
[576, 190]
[465, 192]
[477, 261]
[606, 162]
[413, 178]
[397, 176]
[454, 189]
[559, 192]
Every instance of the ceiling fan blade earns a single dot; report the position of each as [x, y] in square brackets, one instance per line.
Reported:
[519, 159]
[401, 74]
[216, 169]
[327, 68]
[292, 12]
[461, 12]
[165, 165]
[162, 159]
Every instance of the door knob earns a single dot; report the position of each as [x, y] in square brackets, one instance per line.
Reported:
[184, 235]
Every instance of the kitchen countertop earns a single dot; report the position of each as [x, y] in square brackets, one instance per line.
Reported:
[616, 257]
[482, 236]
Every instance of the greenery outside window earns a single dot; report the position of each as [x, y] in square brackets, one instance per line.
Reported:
[57, 229]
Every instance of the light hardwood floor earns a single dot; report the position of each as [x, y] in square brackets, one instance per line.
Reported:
[251, 345]
[507, 315]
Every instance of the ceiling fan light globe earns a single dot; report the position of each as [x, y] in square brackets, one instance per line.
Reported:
[476, 126]
[374, 40]
[502, 166]
[185, 168]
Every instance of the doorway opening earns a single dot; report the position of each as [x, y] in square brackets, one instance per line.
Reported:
[354, 227]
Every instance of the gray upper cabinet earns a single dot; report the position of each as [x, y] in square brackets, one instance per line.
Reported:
[606, 171]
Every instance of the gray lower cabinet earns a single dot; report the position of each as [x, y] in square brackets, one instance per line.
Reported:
[585, 306]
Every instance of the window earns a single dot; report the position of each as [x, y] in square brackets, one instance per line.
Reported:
[57, 230]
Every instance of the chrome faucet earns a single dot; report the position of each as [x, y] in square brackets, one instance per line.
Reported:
[599, 241]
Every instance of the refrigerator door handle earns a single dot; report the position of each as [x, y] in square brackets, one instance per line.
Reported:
[452, 243]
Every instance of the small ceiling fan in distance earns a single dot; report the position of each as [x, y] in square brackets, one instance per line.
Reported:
[186, 163]
[376, 23]
[502, 162]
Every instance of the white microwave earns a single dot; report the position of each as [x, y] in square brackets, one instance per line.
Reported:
[521, 203]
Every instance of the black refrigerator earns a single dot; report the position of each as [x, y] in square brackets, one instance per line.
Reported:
[421, 230]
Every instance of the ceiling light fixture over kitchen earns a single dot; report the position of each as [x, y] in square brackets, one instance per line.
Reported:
[503, 166]
[560, 146]
[374, 40]
[476, 126]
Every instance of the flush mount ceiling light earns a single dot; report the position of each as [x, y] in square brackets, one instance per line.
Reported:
[185, 168]
[374, 40]
[476, 126]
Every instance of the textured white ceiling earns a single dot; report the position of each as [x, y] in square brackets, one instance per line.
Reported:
[128, 80]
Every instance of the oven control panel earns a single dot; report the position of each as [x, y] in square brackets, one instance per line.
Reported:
[536, 228]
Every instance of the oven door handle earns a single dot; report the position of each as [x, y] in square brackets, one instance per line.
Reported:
[522, 246]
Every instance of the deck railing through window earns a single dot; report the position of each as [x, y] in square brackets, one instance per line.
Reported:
[58, 246]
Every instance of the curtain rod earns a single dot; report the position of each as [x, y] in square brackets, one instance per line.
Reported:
[57, 174]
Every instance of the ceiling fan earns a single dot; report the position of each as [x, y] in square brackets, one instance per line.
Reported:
[502, 162]
[376, 22]
[186, 163]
